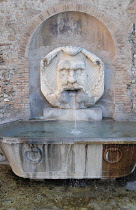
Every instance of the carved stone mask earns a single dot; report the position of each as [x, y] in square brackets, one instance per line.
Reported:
[72, 77]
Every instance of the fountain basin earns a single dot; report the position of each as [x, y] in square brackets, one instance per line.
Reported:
[55, 150]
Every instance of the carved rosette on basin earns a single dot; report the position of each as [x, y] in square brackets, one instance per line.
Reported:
[72, 77]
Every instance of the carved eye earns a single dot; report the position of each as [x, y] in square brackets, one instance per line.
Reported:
[78, 71]
[63, 73]
[62, 70]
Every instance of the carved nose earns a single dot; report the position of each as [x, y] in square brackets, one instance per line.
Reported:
[72, 78]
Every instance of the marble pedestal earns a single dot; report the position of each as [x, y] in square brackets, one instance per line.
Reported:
[71, 115]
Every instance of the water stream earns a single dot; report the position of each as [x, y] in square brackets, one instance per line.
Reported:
[75, 131]
[75, 111]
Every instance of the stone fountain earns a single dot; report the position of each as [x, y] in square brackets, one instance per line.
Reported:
[72, 80]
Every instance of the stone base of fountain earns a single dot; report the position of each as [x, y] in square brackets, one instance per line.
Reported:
[41, 158]
[56, 150]
[72, 114]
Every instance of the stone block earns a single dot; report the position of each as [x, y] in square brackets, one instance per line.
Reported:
[71, 115]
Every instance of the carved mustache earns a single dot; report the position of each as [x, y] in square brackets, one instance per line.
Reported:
[73, 87]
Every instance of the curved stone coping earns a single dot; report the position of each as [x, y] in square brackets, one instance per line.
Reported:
[31, 27]
[78, 140]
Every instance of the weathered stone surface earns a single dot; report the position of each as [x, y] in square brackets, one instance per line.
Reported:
[110, 37]
[70, 28]
[71, 114]
[68, 159]
[57, 161]
[72, 77]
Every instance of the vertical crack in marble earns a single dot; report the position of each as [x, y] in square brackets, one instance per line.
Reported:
[133, 76]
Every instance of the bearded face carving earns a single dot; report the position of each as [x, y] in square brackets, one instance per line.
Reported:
[72, 77]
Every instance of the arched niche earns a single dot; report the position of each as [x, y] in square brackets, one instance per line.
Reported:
[75, 29]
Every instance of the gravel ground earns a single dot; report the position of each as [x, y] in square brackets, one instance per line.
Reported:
[106, 194]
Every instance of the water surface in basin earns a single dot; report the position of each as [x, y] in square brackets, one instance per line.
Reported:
[62, 129]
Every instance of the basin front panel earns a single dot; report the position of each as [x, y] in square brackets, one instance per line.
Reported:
[69, 160]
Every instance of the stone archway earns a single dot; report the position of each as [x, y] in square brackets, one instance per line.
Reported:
[93, 11]
[98, 16]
